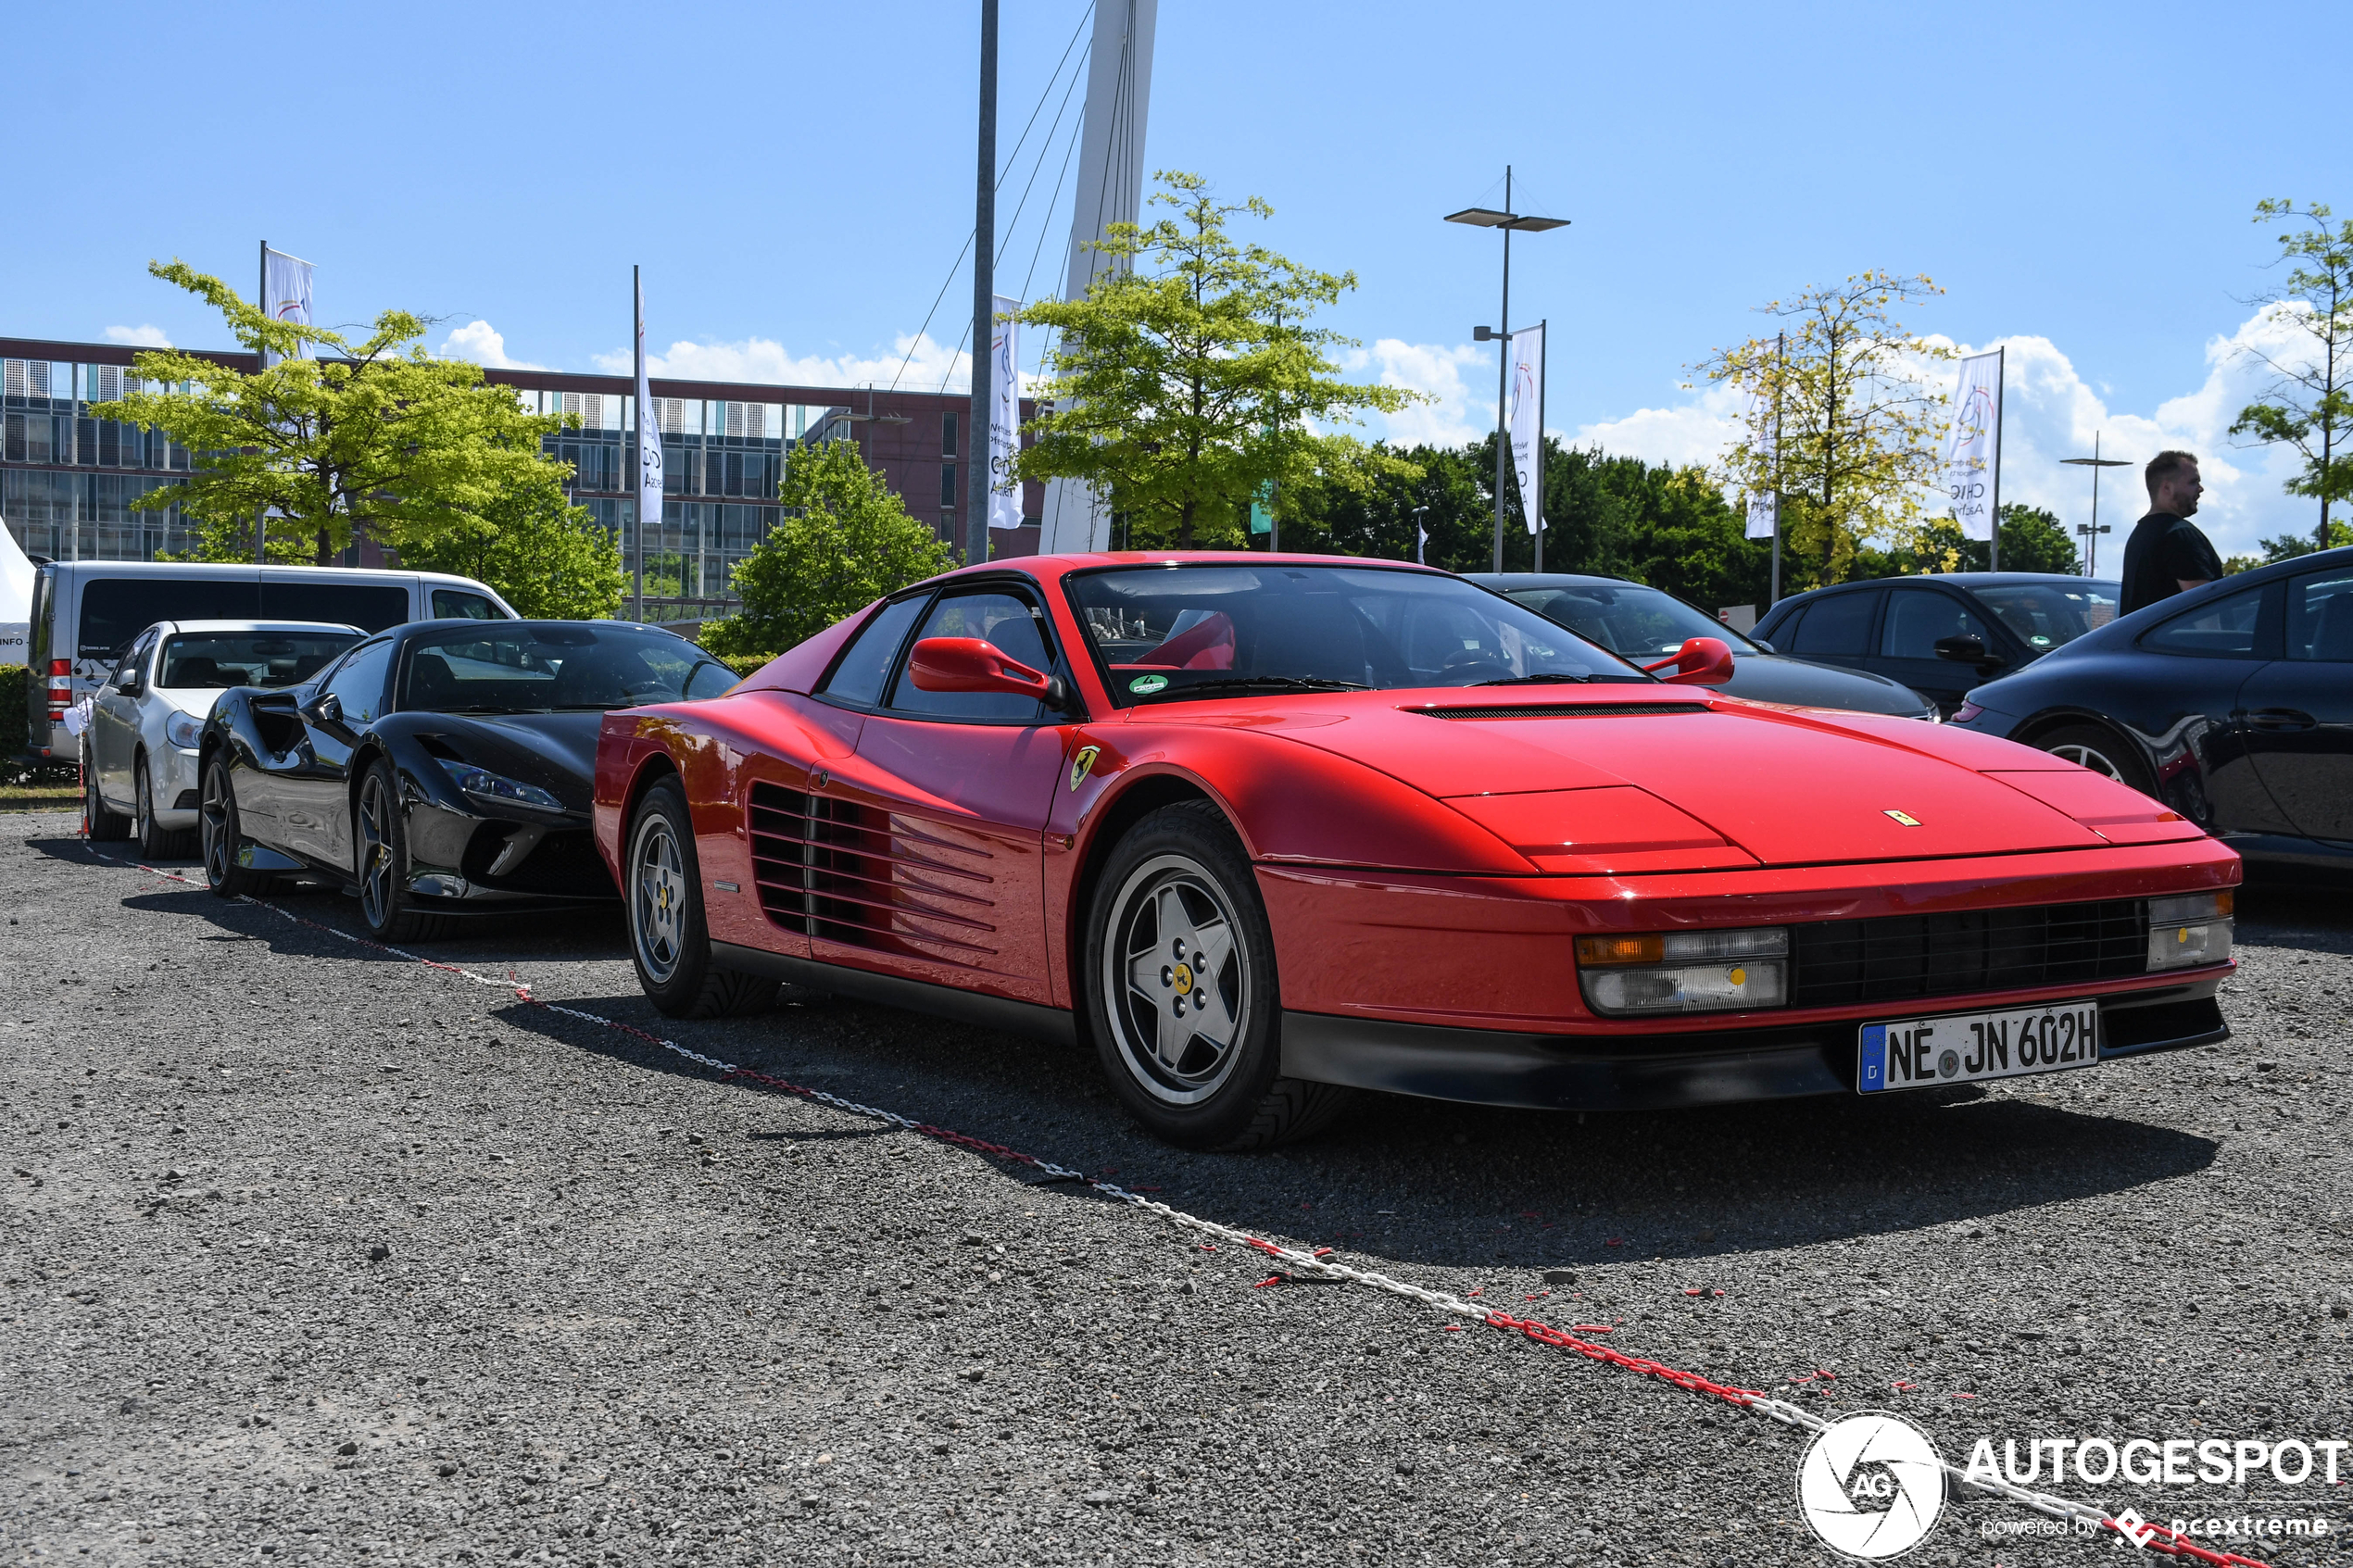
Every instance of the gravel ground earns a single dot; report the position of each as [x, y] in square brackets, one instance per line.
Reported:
[313, 1254]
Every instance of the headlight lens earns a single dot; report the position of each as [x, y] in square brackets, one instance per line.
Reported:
[184, 730]
[484, 785]
[2190, 930]
[1685, 971]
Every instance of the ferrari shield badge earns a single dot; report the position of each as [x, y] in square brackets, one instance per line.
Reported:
[1083, 764]
[1904, 818]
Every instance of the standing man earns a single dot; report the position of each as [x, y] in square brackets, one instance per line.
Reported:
[2166, 554]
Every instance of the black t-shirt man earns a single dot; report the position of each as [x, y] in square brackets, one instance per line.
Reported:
[2162, 553]
[2165, 552]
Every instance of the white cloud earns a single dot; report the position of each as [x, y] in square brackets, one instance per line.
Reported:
[482, 343]
[1459, 414]
[1694, 432]
[139, 337]
[916, 364]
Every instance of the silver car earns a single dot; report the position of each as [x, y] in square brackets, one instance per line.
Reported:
[139, 745]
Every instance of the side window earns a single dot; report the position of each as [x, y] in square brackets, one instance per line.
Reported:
[456, 604]
[136, 656]
[371, 608]
[358, 682]
[2223, 628]
[1005, 619]
[858, 678]
[1839, 625]
[1918, 617]
[2319, 617]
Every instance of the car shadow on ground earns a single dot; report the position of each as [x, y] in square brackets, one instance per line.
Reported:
[1397, 1180]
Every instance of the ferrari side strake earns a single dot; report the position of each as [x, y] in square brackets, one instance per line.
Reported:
[1263, 829]
[437, 769]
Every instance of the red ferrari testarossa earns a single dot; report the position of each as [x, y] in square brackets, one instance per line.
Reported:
[1264, 829]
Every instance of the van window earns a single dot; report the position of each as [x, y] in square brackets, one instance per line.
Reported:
[456, 604]
[371, 608]
[115, 609]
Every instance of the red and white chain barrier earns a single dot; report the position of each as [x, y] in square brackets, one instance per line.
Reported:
[1315, 1264]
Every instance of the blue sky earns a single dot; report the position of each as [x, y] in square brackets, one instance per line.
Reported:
[796, 180]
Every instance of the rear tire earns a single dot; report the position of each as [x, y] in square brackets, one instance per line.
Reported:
[103, 826]
[669, 932]
[381, 840]
[1182, 995]
[156, 844]
[220, 836]
[2103, 751]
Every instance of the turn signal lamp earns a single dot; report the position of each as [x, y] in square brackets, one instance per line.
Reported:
[2193, 929]
[1685, 971]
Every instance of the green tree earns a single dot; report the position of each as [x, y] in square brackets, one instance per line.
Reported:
[845, 541]
[1182, 391]
[1858, 424]
[1379, 517]
[549, 558]
[2033, 540]
[378, 436]
[2340, 534]
[2310, 404]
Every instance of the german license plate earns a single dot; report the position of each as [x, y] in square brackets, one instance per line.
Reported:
[1969, 1047]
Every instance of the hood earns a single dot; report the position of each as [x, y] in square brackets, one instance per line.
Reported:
[1772, 677]
[194, 701]
[1656, 779]
[556, 751]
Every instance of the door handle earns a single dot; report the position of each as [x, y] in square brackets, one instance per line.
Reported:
[2280, 719]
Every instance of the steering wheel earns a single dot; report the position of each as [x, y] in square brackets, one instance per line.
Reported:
[1465, 667]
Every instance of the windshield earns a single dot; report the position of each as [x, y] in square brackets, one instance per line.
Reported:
[525, 667]
[2048, 614]
[248, 658]
[1166, 632]
[1627, 617]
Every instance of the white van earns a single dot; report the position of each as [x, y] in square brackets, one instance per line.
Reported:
[85, 613]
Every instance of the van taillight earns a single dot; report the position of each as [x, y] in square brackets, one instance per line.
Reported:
[61, 666]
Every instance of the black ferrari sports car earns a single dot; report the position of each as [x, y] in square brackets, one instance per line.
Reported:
[437, 769]
[2231, 703]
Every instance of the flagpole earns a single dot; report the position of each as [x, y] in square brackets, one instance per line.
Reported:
[637, 461]
[1502, 378]
[262, 362]
[1544, 389]
[1781, 355]
[977, 489]
[1994, 521]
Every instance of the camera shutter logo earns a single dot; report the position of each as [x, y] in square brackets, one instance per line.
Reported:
[1871, 1485]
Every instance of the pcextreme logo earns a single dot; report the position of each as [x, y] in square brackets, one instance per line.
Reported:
[1870, 1486]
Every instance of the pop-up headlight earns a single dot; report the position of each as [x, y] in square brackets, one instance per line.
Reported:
[2190, 930]
[1685, 971]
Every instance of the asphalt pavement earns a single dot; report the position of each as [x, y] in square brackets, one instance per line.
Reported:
[310, 1253]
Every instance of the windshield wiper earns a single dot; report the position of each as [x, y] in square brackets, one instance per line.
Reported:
[1248, 684]
[1536, 681]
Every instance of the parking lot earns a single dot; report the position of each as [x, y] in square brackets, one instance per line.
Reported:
[312, 1252]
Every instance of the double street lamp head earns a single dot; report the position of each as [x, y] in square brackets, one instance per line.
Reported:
[1487, 218]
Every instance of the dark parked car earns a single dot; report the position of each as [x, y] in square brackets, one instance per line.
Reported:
[1905, 628]
[2231, 703]
[1647, 624]
[438, 768]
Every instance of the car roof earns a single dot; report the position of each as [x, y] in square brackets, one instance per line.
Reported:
[177, 627]
[1555, 580]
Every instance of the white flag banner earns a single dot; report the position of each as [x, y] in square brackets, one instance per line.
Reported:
[285, 293]
[1975, 455]
[649, 439]
[1527, 422]
[1764, 508]
[1005, 416]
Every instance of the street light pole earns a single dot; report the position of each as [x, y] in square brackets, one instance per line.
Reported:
[1507, 221]
[980, 446]
[2091, 535]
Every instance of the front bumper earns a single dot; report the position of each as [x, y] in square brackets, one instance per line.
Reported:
[175, 784]
[1665, 1071]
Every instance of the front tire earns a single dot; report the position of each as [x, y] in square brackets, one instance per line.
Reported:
[220, 836]
[669, 932]
[1182, 994]
[380, 836]
[104, 826]
[2103, 751]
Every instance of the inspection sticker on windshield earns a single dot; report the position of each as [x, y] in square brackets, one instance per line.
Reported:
[1144, 685]
[1967, 1048]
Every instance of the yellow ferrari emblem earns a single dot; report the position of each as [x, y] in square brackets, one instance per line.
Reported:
[1905, 818]
[1184, 980]
[1082, 763]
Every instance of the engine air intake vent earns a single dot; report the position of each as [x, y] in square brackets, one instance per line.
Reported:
[1565, 711]
[840, 871]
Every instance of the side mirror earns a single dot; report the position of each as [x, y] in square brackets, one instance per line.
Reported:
[126, 681]
[1701, 661]
[1763, 646]
[1969, 648]
[327, 709]
[969, 664]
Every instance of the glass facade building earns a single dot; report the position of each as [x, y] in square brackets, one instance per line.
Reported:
[67, 479]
